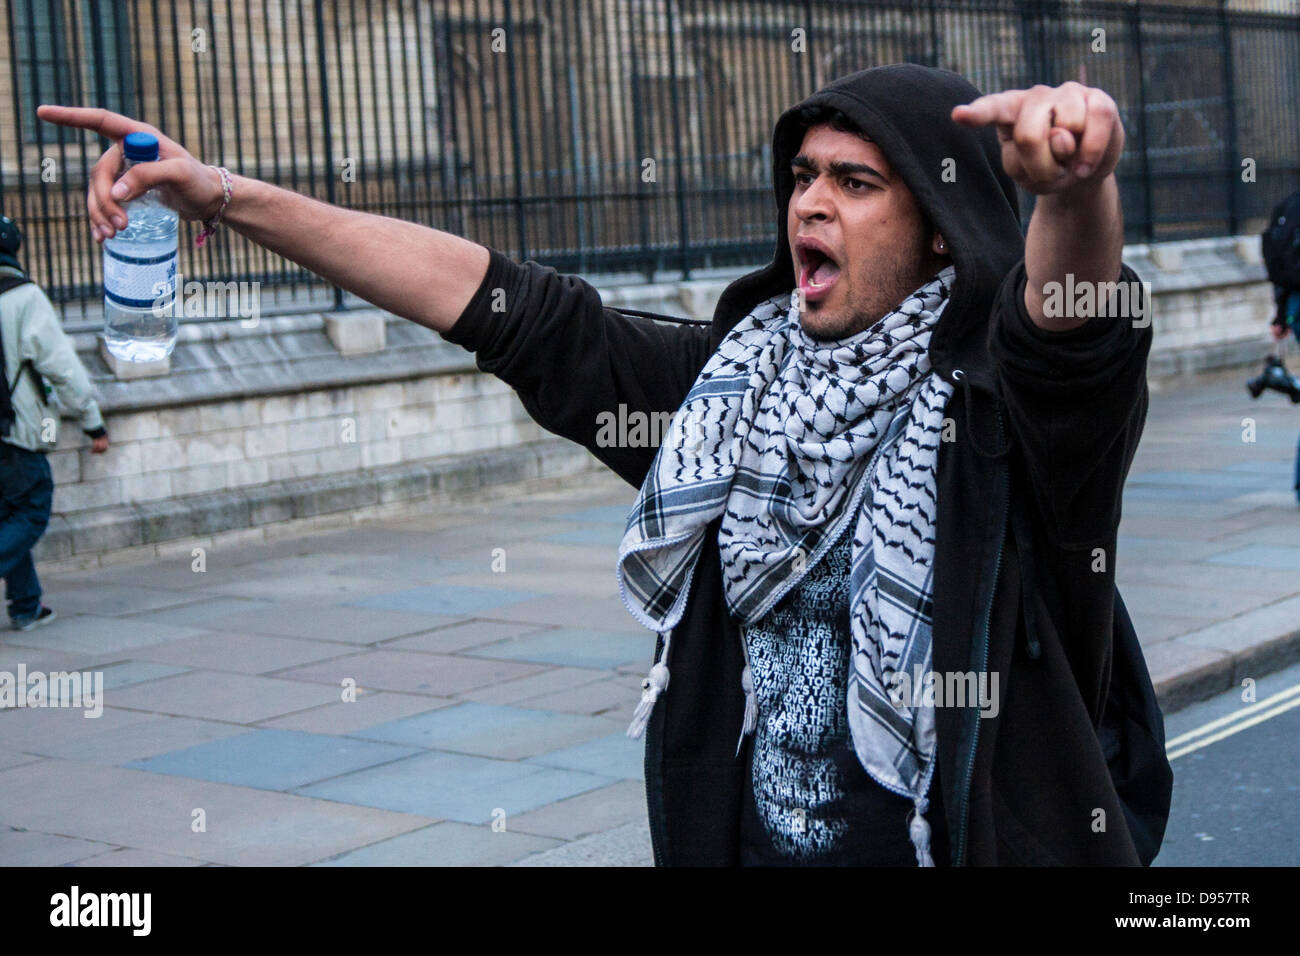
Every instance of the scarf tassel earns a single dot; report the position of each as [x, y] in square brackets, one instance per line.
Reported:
[654, 684]
[919, 831]
[751, 706]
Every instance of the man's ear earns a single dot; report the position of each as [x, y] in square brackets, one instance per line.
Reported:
[939, 246]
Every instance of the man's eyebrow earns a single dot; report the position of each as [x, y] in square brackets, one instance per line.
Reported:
[840, 167]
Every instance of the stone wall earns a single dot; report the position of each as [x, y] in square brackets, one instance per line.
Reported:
[324, 419]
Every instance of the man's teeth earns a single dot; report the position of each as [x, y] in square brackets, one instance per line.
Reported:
[817, 269]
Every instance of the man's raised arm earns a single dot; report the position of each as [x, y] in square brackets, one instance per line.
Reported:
[419, 273]
[1062, 144]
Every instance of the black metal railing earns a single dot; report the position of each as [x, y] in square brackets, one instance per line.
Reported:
[601, 136]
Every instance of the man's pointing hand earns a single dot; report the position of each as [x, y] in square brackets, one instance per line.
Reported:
[1053, 139]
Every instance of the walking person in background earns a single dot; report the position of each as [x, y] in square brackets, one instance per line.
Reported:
[1281, 248]
[34, 351]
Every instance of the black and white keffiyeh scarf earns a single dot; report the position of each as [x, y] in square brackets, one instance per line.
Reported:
[788, 438]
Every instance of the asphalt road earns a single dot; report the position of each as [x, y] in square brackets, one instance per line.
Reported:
[1236, 767]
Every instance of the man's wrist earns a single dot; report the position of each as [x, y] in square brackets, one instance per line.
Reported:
[213, 176]
[243, 197]
[1093, 194]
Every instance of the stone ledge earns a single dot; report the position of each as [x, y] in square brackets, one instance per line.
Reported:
[282, 361]
[1186, 363]
[356, 333]
[79, 537]
[1204, 663]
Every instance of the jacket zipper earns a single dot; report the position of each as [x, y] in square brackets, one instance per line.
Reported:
[984, 660]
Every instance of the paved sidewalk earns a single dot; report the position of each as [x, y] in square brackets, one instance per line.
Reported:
[496, 670]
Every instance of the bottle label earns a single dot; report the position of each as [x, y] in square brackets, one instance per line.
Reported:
[137, 282]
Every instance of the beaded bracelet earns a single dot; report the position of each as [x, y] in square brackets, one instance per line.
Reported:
[210, 225]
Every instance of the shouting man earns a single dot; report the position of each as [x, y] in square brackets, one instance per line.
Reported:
[878, 544]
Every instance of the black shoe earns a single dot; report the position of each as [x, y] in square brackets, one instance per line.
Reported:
[42, 616]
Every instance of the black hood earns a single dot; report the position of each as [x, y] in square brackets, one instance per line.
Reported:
[904, 108]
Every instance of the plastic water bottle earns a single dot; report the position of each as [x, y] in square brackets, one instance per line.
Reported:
[140, 270]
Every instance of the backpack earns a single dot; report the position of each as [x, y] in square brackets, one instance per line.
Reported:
[1281, 243]
[6, 393]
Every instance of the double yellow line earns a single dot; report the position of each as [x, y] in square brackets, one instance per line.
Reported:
[1233, 723]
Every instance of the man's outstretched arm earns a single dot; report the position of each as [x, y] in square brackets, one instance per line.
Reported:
[1074, 385]
[576, 365]
[1063, 144]
[421, 274]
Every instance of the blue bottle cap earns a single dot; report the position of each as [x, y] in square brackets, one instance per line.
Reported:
[140, 147]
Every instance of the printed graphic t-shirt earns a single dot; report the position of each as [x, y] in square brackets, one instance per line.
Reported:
[810, 802]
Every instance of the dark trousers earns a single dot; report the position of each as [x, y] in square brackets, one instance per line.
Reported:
[26, 491]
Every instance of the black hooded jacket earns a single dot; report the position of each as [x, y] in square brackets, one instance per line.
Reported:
[1072, 769]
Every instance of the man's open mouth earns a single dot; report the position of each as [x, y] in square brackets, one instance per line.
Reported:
[818, 269]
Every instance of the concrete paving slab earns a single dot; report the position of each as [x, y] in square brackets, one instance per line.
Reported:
[601, 514]
[1139, 551]
[412, 569]
[318, 585]
[238, 698]
[127, 673]
[555, 579]
[587, 813]
[489, 730]
[1189, 602]
[171, 574]
[1274, 557]
[1271, 532]
[46, 730]
[455, 786]
[200, 612]
[156, 812]
[1179, 528]
[612, 755]
[1220, 478]
[1264, 584]
[1271, 468]
[93, 634]
[440, 675]
[325, 620]
[14, 758]
[550, 680]
[47, 660]
[459, 636]
[128, 857]
[626, 845]
[537, 555]
[1186, 510]
[26, 848]
[118, 744]
[107, 599]
[567, 610]
[241, 653]
[601, 535]
[369, 709]
[574, 647]
[1137, 490]
[446, 844]
[273, 759]
[620, 693]
[1155, 628]
[445, 600]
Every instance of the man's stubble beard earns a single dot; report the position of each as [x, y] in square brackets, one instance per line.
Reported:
[879, 287]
